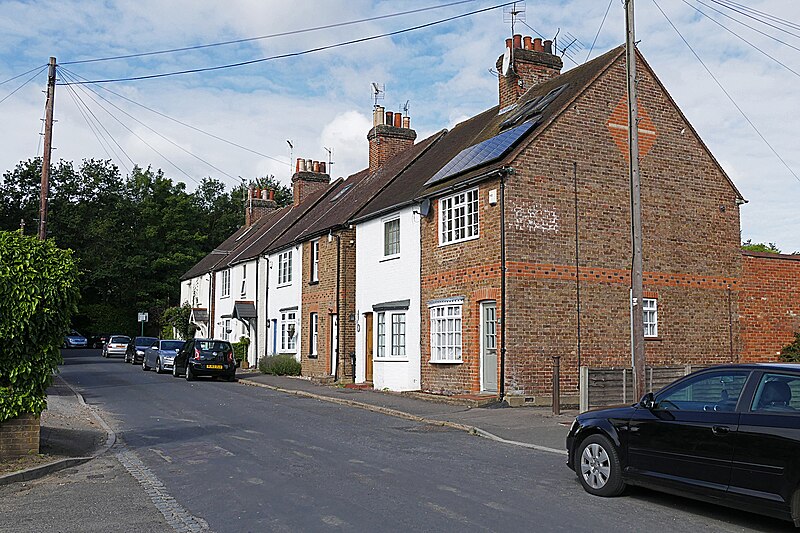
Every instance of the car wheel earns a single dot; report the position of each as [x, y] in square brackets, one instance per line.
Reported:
[144, 364]
[174, 370]
[189, 376]
[598, 467]
[159, 368]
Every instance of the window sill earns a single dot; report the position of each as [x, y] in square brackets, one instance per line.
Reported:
[316, 282]
[445, 362]
[389, 360]
[225, 296]
[282, 285]
[389, 258]
[473, 238]
[656, 339]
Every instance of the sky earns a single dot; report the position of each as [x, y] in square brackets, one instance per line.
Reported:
[444, 72]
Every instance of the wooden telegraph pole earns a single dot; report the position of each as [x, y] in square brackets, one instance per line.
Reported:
[48, 148]
[637, 333]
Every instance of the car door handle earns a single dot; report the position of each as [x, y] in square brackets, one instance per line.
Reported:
[720, 430]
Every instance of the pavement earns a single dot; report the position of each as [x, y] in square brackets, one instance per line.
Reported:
[72, 432]
[530, 427]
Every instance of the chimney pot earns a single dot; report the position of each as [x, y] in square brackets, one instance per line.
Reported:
[309, 165]
[527, 42]
[322, 167]
[316, 166]
[517, 40]
[548, 47]
[272, 194]
[407, 122]
[389, 118]
[299, 164]
[398, 120]
[537, 45]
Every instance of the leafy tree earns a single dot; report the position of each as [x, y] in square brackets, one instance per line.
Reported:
[760, 247]
[38, 296]
[791, 352]
[178, 318]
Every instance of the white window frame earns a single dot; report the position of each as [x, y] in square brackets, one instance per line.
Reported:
[446, 323]
[226, 325]
[244, 279]
[314, 327]
[285, 268]
[380, 331]
[387, 254]
[650, 317]
[398, 334]
[226, 283]
[458, 217]
[314, 261]
[288, 342]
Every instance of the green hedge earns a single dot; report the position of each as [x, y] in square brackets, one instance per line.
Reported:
[240, 348]
[38, 297]
[280, 365]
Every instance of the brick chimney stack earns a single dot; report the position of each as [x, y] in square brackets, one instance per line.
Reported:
[532, 62]
[309, 177]
[260, 202]
[391, 134]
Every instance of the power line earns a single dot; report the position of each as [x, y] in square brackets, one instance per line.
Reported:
[602, 22]
[9, 95]
[742, 10]
[295, 54]
[26, 72]
[74, 75]
[165, 158]
[281, 34]
[726, 92]
[160, 135]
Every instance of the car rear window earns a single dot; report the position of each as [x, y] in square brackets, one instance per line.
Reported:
[120, 339]
[171, 345]
[214, 346]
[145, 341]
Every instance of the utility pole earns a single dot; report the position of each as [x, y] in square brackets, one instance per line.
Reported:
[48, 147]
[637, 326]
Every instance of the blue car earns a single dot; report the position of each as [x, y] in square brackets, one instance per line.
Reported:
[75, 340]
[161, 355]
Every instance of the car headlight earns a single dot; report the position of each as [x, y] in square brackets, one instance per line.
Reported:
[139, 352]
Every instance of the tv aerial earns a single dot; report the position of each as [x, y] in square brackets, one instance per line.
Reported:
[513, 13]
[378, 92]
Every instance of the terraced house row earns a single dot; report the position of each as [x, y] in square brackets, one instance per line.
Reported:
[464, 262]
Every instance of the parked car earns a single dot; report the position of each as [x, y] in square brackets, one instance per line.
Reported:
[160, 355]
[74, 340]
[727, 434]
[135, 350]
[116, 345]
[99, 340]
[205, 357]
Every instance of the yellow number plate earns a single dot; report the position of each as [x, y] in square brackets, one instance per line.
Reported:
[214, 367]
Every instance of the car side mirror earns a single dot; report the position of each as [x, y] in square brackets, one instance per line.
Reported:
[648, 401]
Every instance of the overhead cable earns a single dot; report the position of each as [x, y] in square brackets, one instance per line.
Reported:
[9, 95]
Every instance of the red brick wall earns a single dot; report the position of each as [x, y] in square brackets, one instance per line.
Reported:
[770, 304]
[692, 259]
[320, 298]
[307, 183]
[19, 437]
[529, 66]
[386, 141]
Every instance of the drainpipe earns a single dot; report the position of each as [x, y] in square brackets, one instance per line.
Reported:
[577, 265]
[502, 388]
[211, 307]
[338, 315]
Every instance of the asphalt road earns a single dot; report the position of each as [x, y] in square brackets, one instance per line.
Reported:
[240, 458]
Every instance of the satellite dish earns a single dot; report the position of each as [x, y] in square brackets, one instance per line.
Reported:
[425, 207]
[506, 61]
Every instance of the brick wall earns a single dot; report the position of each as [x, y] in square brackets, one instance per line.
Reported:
[320, 297]
[692, 259]
[530, 68]
[19, 437]
[386, 141]
[770, 304]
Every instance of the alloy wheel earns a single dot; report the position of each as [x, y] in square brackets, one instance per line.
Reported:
[595, 466]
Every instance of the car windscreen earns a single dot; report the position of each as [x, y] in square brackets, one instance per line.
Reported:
[213, 346]
[171, 345]
[119, 339]
[145, 341]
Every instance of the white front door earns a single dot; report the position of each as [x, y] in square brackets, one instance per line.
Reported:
[334, 343]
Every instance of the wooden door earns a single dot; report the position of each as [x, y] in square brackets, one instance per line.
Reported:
[368, 351]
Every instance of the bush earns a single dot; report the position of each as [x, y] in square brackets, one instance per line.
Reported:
[280, 365]
[38, 297]
[791, 352]
[240, 348]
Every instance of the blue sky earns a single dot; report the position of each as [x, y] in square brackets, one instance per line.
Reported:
[323, 99]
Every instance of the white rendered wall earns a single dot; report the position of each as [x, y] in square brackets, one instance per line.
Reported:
[380, 280]
[283, 297]
[196, 292]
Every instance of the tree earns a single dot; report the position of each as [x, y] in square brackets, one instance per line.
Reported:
[751, 246]
[791, 352]
[179, 318]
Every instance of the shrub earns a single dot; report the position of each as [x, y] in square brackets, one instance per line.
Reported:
[38, 297]
[178, 318]
[240, 348]
[791, 352]
[280, 365]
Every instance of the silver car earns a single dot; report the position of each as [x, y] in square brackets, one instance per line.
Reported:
[161, 355]
[116, 345]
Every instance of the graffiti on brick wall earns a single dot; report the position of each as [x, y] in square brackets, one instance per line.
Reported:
[535, 217]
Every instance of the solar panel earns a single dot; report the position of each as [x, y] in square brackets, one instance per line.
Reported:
[532, 107]
[482, 153]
